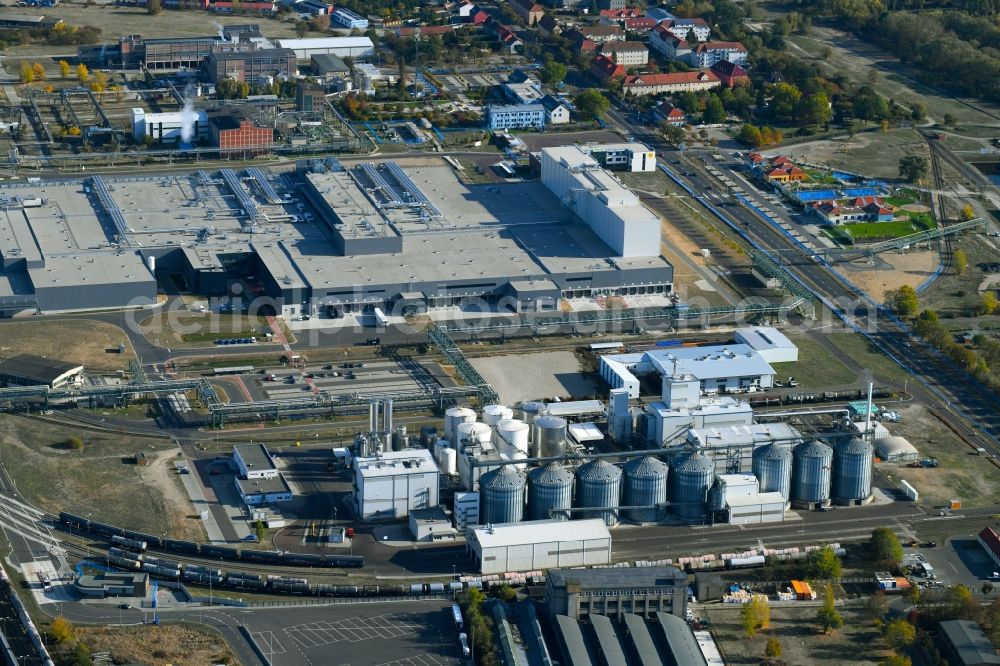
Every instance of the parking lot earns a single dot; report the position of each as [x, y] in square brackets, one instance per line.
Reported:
[959, 560]
[386, 634]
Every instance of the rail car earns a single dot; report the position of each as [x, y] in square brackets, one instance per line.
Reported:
[188, 547]
[124, 554]
[131, 544]
[262, 556]
[221, 552]
[122, 563]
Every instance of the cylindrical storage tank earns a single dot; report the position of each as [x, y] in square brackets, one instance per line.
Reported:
[428, 435]
[549, 488]
[691, 477]
[529, 410]
[501, 493]
[548, 436]
[472, 433]
[852, 471]
[449, 462]
[515, 432]
[493, 414]
[645, 484]
[439, 448]
[520, 455]
[151, 262]
[812, 463]
[400, 440]
[772, 465]
[452, 417]
[598, 485]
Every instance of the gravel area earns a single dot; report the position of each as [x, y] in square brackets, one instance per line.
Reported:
[542, 375]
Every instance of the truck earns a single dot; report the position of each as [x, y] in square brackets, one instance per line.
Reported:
[463, 641]
[456, 615]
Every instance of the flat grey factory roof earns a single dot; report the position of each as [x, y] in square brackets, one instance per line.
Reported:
[275, 484]
[680, 639]
[969, 641]
[541, 531]
[91, 270]
[617, 578]
[45, 370]
[607, 641]
[572, 638]
[255, 456]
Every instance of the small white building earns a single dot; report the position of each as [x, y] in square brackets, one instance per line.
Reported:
[745, 504]
[254, 461]
[342, 47]
[169, 126]
[465, 510]
[264, 490]
[635, 157]
[773, 345]
[431, 525]
[539, 544]
[663, 423]
[391, 485]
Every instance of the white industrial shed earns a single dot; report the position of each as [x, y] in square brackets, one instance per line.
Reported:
[893, 448]
[539, 544]
[342, 47]
[391, 485]
[769, 342]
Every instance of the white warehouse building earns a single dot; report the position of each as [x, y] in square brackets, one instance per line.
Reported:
[604, 204]
[342, 47]
[168, 126]
[391, 485]
[539, 544]
[773, 345]
[688, 372]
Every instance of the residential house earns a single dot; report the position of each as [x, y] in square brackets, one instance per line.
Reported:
[683, 28]
[669, 44]
[731, 74]
[519, 116]
[640, 25]
[707, 54]
[556, 111]
[659, 14]
[522, 76]
[784, 174]
[618, 16]
[605, 69]
[665, 112]
[836, 213]
[548, 26]
[602, 33]
[611, 4]
[654, 84]
[562, 4]
[629, 54]
[507, 37]
[522, 93]
[528, 10]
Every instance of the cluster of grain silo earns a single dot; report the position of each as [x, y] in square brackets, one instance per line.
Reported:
[812, 472]
[852, 471]
[772, 465]
[645, 485]
[691, 475]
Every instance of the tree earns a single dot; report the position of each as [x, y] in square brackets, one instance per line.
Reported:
[260, 531]
[301, 28]
[100, 82]
[591, 102]
[987, 589]
[82, 73]
[896, 660]
[672, 133]
[38, 70]
[949, 120]
[826, 564]
[74, 443]
[81, 656]
[714, 111]
[64, 69]
[506, 593]
[988, 302]
[886, 549]
[827, 616]
[784, 100]
[62, 630]
[755, 615]
[27, 74]
[914, 168]
[903, 301]
[918, 111]
[876, 605]
[900, 634]
[968, 212]
[319, 23]
[154, 7]
[772, 650]
[961, 261]
[552, 72]
[815, 109]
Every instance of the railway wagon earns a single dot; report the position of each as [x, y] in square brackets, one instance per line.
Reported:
[221, 552]
[124, 554]
[151, 540]
[122, 563]
[344, 561]
[188, 547]
[130, 544]
[263, 556]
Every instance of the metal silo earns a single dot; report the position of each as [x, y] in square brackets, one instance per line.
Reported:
[502, 496]
[692, 476]
[811, 466]
[852, 471]
[549, 487]
[598, 485]
[493, 414]
[772, 465]
[452, 417]
[645, 484]
[548, 436]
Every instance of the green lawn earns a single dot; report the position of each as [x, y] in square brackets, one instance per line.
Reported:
[816, 367]
[864, 354]
[886, 230]
[903, 197]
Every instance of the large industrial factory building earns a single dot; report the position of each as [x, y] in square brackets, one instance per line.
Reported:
[384, 235]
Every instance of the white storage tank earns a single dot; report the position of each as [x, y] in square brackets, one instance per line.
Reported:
[494, 414]
[449, 462]
[452, 417]
[515, 433]
[472, 432]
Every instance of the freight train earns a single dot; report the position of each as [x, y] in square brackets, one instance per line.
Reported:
[124, 539]
[205, 576]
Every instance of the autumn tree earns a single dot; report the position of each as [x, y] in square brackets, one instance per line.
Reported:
[885, 547]
[38, 70]
[826, 564]
[100, 82]
[82, 73]
[827, 616]
[988, 303]
[903, 301]
[772, 650]
[62, 630]
[961, 261]
[755, 615]
[27, 74]
[154, 7]
[64, 69]
[74, 443]
[968, 212]
[900, 634]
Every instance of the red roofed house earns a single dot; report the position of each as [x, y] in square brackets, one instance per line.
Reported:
[602, 33]
[630, 54]
[606, 69]
[530, 11]
[654, 84]
[731, 74]
[508, 37]
[785, 174]
[667, 43]
[682, 28]
[548, 25]
[640, 24]
[990, 541]
[618, 16]
[665, 112]
[707, 54]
